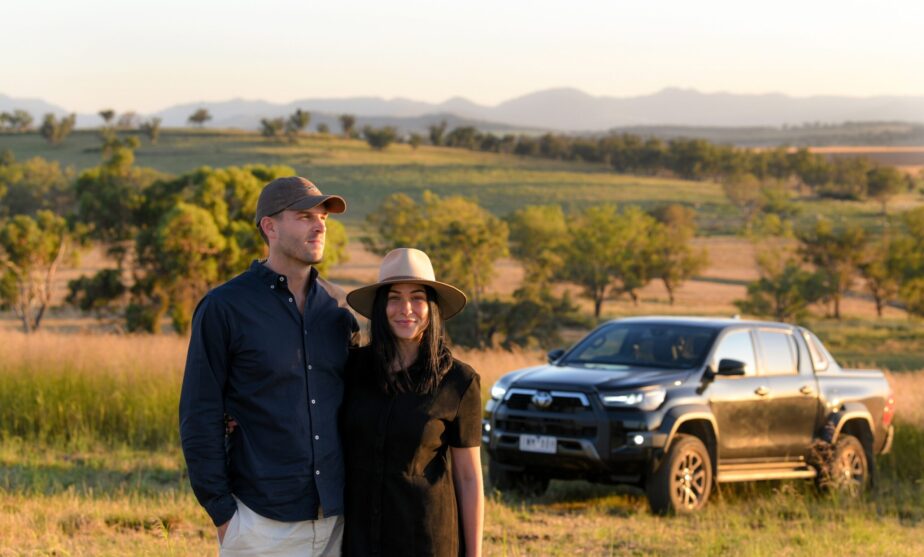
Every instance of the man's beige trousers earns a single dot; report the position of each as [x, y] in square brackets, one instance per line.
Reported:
[250, 534]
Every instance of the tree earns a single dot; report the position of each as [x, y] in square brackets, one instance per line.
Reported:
[675, 260]
[107, 115]
[380, 138]
[128, 120]
[17, 121]
[908, 250]
[323, 128]
[31, 249]
[55, 131]
[743, 191]
[883, 183]
[272, 127]
[436, 132]
[880, 268]
[101, 294]
[589, 260]
[199, 117]
[835, 253]
[297, 123]
[784, 290]
[347, 123]
[538, 239]
[465, 137]
[36, 184]
[414, 140]
[462, 239]
[151, 128]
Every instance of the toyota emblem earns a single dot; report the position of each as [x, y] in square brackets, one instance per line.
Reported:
[542, 399]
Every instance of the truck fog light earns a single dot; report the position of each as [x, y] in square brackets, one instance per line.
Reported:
[638, 440]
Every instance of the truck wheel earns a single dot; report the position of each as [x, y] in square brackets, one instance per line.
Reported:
[520, 483]
[682, 481]
[849, 468]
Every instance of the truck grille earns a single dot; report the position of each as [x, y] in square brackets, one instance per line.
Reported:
[546, 426]
[561, 402]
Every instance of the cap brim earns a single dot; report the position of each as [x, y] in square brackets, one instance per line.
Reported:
[450, 299]
[333, 203]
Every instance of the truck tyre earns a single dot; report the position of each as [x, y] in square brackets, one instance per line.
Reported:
[848, 469]
[682, 481]
[519, 483]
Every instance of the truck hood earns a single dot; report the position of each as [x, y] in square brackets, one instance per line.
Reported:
[599, 379]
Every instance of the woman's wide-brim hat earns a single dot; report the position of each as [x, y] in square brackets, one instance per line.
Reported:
[408, 265]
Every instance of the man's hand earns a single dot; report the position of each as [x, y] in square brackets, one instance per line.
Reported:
[221, 532]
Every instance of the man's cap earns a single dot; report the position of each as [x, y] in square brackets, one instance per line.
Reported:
[297, 194]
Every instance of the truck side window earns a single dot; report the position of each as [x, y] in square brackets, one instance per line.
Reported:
[737, 345]
[819, 360]
[778, 353]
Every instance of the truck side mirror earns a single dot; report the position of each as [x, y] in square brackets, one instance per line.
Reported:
[554, 355]
[730, 367]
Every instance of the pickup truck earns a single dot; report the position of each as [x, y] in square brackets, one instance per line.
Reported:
[673, 405]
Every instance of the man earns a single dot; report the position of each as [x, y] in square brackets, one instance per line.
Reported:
[268, 349]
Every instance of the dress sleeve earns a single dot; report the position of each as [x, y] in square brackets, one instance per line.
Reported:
[465, 430]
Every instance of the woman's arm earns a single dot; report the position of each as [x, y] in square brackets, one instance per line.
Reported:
[466, 475]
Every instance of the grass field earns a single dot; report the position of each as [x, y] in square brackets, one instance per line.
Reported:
[89, 458]
[89, 465]
[500, 183]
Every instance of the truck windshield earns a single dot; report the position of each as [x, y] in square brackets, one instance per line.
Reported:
[649, 345]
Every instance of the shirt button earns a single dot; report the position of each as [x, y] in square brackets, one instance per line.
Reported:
[273, 286]
[317, 472]
[312, 401]
[316, 437]
[282, 279]
[291, 300]
[309, 366]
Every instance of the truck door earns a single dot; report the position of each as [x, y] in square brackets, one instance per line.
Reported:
[740, 410]
[792, 396]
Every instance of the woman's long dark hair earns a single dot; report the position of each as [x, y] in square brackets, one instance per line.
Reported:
[433, 358]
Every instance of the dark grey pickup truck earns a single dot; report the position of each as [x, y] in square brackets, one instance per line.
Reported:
[673, 405]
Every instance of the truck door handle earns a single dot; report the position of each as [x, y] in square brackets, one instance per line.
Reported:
[761, 391]
[806, 390]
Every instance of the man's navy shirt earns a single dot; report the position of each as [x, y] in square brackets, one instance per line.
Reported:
[279, 374]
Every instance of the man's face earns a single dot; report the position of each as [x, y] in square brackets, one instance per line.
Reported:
[299, 235]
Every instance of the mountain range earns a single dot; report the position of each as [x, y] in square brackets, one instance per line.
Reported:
[563, 109]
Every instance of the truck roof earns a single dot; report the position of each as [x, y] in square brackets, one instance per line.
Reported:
[714, 322]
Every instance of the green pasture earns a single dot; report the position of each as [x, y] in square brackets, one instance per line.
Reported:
[501, 183]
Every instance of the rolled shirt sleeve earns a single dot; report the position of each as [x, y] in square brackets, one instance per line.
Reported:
[465, 430]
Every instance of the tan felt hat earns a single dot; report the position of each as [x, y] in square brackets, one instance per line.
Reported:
[408, 265]
[297, 194]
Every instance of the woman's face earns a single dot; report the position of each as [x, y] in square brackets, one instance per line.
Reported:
[408, 311]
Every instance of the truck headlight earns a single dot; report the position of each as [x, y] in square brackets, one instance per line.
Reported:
[648, 399]
[498, 392]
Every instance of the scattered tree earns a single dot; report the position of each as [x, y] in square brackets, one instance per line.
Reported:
[835, 253]
[347, 123]
[272, 127]
[436, 133]
[199, 117]
[674, 259]
[55, 131]
[31, 249]
[107, 115]
[414, 140]
[151, 128]
[297, 123]
[380, 138]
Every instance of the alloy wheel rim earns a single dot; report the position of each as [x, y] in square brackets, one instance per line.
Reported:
[689, 479]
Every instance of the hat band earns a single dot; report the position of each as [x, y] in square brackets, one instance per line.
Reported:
[406, 278]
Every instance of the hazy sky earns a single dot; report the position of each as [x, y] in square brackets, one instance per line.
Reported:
[89, 54]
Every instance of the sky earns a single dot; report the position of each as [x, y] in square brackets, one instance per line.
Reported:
[85, 55]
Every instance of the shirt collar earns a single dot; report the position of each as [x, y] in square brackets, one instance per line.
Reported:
[272, 278]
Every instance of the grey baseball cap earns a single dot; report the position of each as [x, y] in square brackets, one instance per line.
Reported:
[297, 194]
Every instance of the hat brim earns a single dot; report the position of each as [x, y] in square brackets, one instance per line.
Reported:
[333, 203]
[450, 299]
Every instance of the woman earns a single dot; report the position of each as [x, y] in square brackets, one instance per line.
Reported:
[411, 421]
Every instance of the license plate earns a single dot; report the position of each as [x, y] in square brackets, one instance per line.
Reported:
[538, 444]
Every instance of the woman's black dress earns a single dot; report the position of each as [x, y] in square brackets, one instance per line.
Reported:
[400, 498]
